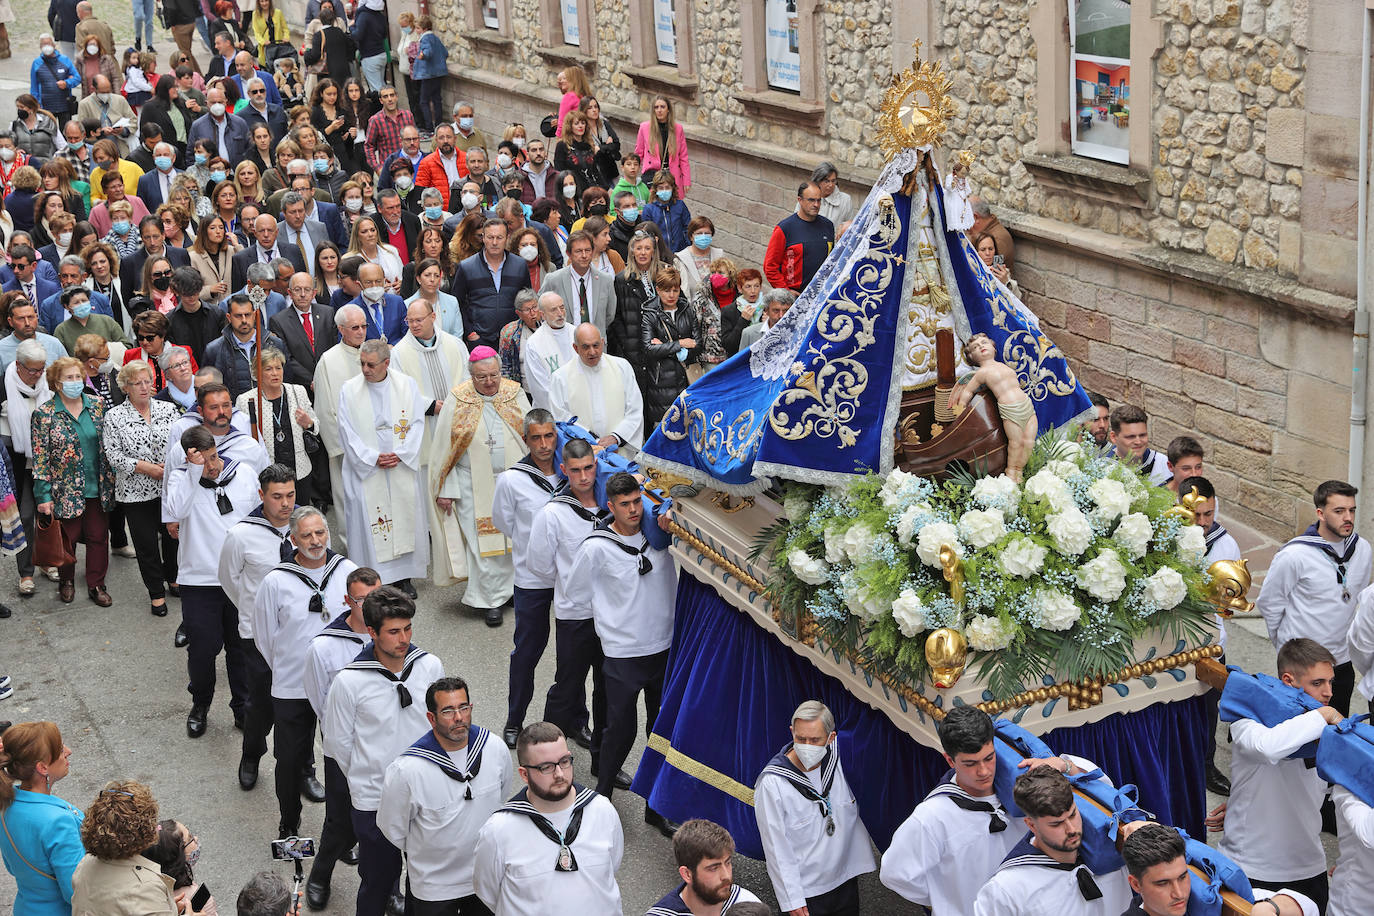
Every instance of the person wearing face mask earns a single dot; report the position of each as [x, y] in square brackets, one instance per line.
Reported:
[108, 108]
[668, 211]
[623, 226]
[73, 149]
[431, 213]
[93, 59]
[693, 262]
[35, 130]
[84, 320]
[808, 820]
[228, 131]
[403, 184]
[53, 79]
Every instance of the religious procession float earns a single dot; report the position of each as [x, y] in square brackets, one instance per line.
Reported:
[866, 516]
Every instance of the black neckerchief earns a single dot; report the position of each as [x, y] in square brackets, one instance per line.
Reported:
[285, 548]
[603, 532]
[226, 476]
[782, 766]
[367, 661]
[1339, 558]
[428, 748]
[567, 860]
[1147, 461]
[528, 466]
[564, 496]
[339, 629]
[1213, 534]
[1023, 853]
[966, 802]
[331, 563]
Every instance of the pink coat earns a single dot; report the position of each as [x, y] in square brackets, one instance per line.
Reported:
[680, 166]
[569, 101]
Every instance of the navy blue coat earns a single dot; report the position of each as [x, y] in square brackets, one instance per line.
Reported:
[44, 76]
[393, 317]
[486, 310]
[224, 354]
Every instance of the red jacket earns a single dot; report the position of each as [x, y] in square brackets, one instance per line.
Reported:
[431, 173]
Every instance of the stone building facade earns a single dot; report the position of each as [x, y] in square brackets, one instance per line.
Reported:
[1210, 278]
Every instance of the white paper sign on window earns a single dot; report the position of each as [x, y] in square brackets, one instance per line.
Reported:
[490, 18]
[572, 32]
[665, 30]
[781, 45]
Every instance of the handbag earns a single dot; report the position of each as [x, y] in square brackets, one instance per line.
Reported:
[50, 544]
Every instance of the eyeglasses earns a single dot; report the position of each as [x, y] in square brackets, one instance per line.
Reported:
[147, 338]
[160, 274]
[547, 769]
[448, 712]
[257, 92]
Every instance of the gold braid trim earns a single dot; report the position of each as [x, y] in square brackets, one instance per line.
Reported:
[700, 771]
[715, 557]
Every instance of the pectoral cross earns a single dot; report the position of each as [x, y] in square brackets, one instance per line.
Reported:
[401, 429]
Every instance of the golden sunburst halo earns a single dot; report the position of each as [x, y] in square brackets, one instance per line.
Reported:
[916, 108]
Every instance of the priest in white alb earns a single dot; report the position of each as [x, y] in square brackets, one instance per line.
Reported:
[548, 349]
[599, 390]
[336, 366]
[381, 425]
[478, 435]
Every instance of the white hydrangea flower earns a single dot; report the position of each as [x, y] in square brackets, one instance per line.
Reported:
[1192, 545]
[834, 543]
[982, 527]
[1000, 492]
[858, 542]
[1055, 610]
[1111, 498]
[807, 568]
[892, 486]
[1165, 589]
[1061, 468]
[987, 634]
[1050, 487]
[1069, 450]
[909, 613]
[1070, 531]
[796, 507]
[1133, 533]
[1103, 576]
[1022, 558]
[906, 523]
[934, 536]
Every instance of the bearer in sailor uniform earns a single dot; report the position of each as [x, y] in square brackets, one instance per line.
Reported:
[521, 491]
[374, 713]
[1314, 583]
[437, 795]
[961, 820]
[1352, 883]
[556, 846]
[331, 649]
[629, 586]
[295, 602]
[1044, 874]
[1130, 436]
[1273, 819]
[704, 852]
[206, 496]
[815, 844]
[555, 534]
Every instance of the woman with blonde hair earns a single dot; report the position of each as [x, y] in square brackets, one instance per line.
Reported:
[41, 839]
[366, 241]
[661, 144]
[114, 878]
[286, 416]
[573, 83]
[212, 253]
[249, 183]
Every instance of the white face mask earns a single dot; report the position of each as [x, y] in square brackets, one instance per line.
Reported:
[570, 191]
[64, 239]
[469, 201]
[217, 109]
[404, 182]
[809, 754]
[93, 49]
[503, 160]
[374, 293]
[6, 154]
[529, 252]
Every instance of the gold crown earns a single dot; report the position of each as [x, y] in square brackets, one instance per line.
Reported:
[916, 108]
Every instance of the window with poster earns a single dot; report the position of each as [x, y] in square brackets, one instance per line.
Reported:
[491, 14]
[665, 31]
[782, 45]
[1100, 78]
[572, 30]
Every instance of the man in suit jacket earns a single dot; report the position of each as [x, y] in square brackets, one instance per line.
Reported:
[396, 226]
[328, 214]
[154, 245]
[229, 131]
[588, 293]
[487, 309]
[260, 111]
[263, 250]
[223, 62]
[386, 313]
[23, 262]
[245, 68]
[304, 350]
[295, 228]
[156, 184]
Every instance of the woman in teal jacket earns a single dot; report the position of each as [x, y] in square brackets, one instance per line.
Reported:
[40, 834]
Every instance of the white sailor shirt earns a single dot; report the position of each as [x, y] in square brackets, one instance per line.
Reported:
[1301, 597]
[515, 865]
[938, 832]
[1359, 640]
[671, 904]
[1155, 467]
[633, 612]
[332, 648]
[203, 526]
[1273, 818]
[251, 550]
[366, 726]
[1352, 884]
[1030, 883]
[284, 623]
[803, 859]
[555, 534]
[434, 818]
[521, 491]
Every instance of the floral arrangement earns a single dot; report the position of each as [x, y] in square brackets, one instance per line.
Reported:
[1059, 575]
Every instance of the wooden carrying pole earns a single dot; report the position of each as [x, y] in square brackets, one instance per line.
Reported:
[257, 420]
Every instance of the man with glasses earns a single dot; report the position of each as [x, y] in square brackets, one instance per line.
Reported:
[550, 849]
[260, 110]
[410, 151]
[26, 280]
[336, 367]
[332, 648]
[435, 798]
[307, 328]
[384, 129]
[372, 716]
[22, 319]
[800, 243]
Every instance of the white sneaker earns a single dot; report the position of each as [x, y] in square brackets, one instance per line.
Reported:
[127, 551]
[6, 687]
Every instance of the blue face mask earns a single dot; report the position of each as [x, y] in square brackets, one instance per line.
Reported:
[82, 311]
[321, 165]
[702, 240]
[682, 354]
[664, 194]
[74, 146]
[433, 213]
[73, 390]
[163, 163]
[200, 158]
[630, 214]
[217, 177]
[120, 227]
[465, 123]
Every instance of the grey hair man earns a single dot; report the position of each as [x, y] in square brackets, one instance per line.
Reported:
[336, 366]
[775, 304]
